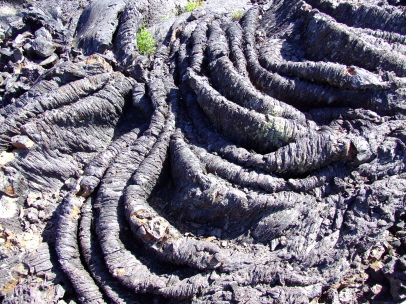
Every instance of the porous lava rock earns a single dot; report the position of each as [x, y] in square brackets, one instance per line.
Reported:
[257, 156]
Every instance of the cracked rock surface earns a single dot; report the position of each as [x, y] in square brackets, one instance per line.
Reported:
[257, 156]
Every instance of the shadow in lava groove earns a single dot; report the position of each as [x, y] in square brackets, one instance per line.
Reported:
[259, 160]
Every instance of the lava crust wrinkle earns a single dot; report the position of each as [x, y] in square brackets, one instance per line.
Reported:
[258, 160]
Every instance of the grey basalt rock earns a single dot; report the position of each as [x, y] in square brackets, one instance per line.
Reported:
[42, 45]
[254, 157]
[97, 25]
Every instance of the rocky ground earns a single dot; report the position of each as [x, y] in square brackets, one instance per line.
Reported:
[257, 156]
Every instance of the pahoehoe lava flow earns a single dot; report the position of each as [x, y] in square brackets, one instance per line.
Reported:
[257, 156]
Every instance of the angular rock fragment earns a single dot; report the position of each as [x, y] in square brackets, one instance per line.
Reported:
[21, 142]
[42, 44]
[12, 182]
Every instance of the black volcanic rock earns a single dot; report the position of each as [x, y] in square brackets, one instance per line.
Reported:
[256, 156]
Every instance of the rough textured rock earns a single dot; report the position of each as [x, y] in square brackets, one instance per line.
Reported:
[257, 156]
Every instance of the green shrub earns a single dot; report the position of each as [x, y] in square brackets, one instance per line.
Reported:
[192, 5]
[145, 41]
[237, 15]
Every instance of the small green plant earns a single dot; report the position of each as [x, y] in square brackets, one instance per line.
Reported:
[145, 41]
[192, 5]
[237, 15]
[167, 17]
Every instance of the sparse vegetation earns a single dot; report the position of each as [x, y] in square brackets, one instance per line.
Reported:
[167, 17]
[237, 15]
[145, 41]
[192, 5]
